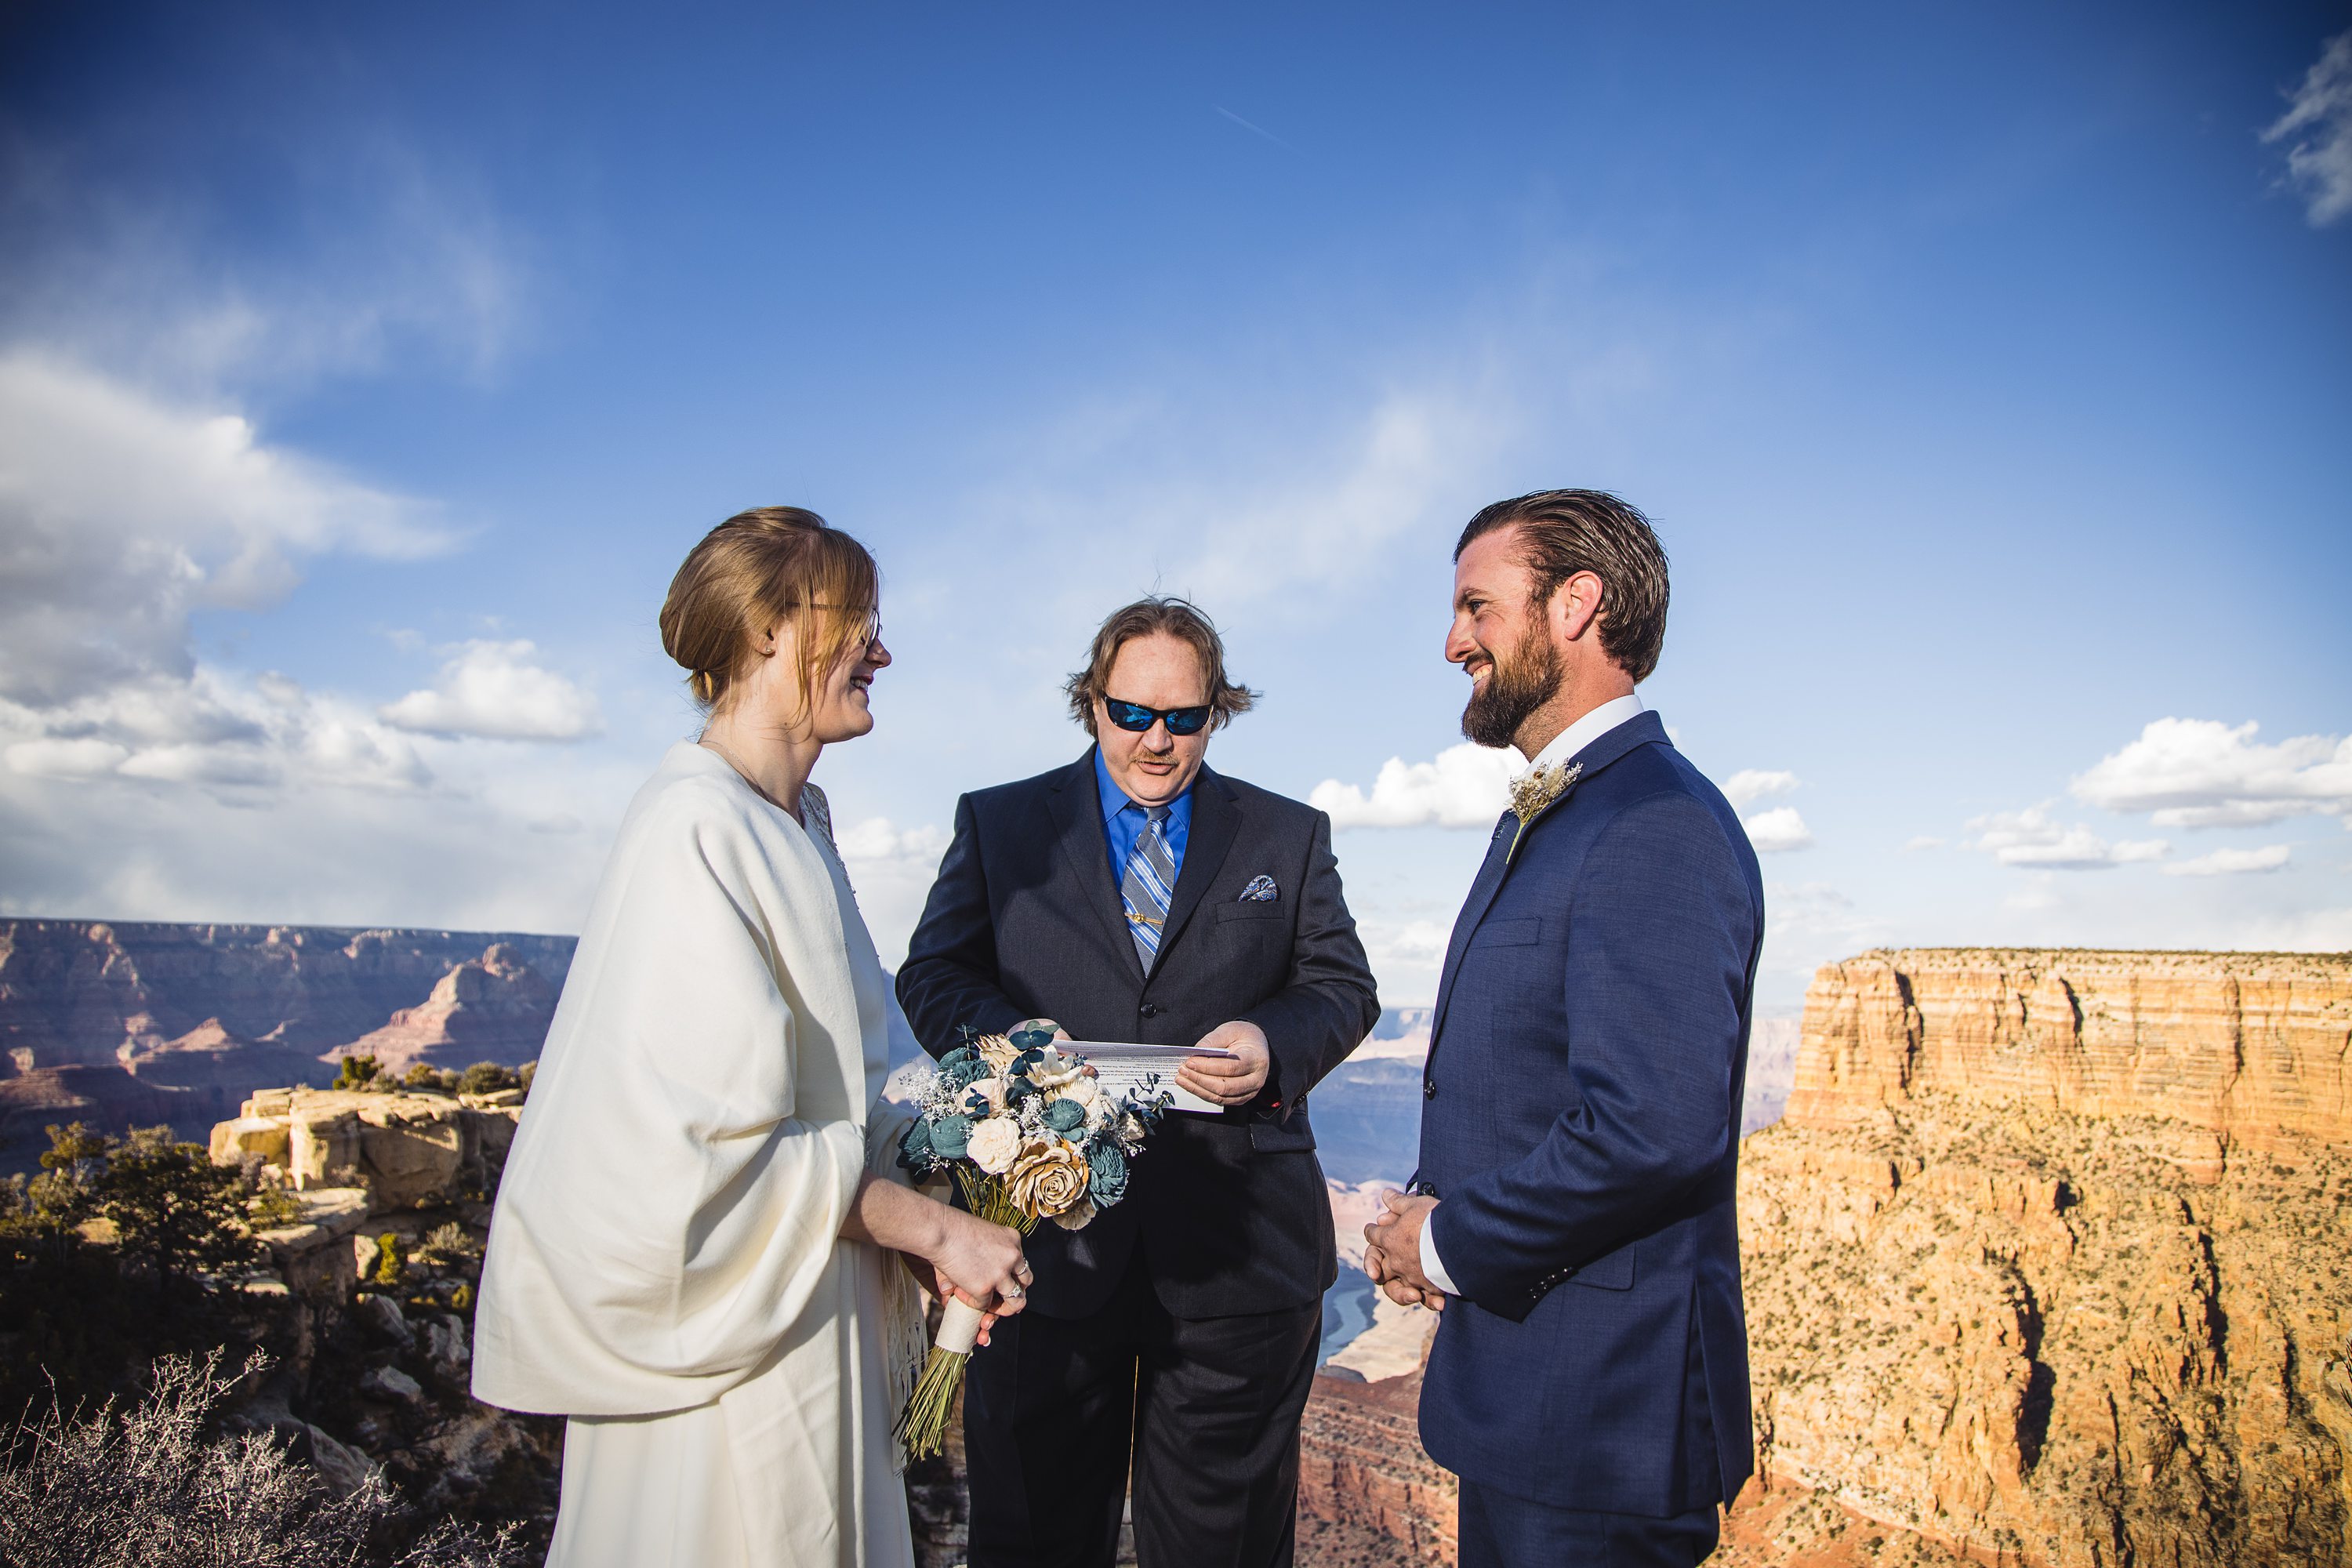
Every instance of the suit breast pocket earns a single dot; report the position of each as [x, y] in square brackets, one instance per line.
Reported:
[1526, 930]
[1250, 909]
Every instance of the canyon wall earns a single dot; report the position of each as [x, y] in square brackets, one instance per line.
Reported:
[116, 1023]
[2049, 1261]
[2251, 1046]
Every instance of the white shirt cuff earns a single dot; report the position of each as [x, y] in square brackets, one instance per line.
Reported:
[1433, 1266]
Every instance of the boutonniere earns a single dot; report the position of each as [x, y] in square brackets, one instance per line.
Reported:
[1534, 792]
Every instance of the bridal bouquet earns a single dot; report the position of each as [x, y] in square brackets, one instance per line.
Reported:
[1030, 1135]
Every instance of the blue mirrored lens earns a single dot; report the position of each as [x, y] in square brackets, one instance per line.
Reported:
[1135, 716]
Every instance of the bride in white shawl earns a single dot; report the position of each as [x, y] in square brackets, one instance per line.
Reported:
[699, 1231]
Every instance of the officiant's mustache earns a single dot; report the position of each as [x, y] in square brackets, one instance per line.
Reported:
[1519, 686]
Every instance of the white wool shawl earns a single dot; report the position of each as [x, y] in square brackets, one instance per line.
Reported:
[696, 1132]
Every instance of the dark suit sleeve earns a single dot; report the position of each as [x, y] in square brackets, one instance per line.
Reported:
[1329, 1005]
[949, 978]
[1662, 927]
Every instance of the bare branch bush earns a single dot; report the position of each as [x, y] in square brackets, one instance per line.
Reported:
[146, 1489]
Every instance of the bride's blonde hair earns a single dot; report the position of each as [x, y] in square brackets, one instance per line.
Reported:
[773, 565]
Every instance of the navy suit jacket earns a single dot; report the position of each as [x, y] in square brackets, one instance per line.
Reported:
[1581, 1134]
[1025, 921]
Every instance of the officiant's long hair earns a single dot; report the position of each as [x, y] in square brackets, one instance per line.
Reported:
[769, 566]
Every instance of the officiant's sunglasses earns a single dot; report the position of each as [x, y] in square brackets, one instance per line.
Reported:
[1136, 717]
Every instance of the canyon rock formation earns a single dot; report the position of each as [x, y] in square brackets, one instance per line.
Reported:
[493, 1008]
[2250, 1046]
[119, 1023]
[2049, 1261]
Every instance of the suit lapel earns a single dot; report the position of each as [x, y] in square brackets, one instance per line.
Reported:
[1639, 731]
[1216, 823]
[1483, 889]
[1076, 806]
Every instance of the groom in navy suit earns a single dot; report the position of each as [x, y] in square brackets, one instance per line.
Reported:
[1573, 1217]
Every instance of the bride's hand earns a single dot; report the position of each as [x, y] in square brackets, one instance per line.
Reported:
[938, 1289]
[983, 1263]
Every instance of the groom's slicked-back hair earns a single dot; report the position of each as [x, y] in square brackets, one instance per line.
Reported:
[1562, 533]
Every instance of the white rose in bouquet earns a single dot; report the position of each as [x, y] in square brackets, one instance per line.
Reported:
[995, 1144]
[991, 1089]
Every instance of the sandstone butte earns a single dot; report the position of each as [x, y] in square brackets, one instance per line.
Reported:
[2048, 1263]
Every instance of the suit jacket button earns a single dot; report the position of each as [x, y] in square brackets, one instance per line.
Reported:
[1149, 1009]
[1429, 1088]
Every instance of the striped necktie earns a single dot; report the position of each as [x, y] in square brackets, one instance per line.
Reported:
[1148, 886]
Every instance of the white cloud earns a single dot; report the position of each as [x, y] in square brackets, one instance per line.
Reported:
[1923, 841]
[1466, 786]
[2033, 838]
[1404, 944]
[497, 691]
[121, 514]
[1778, 831]
[2312, 931]
[2232, 862]
[1404, 462]
[2319, 117]
[399, 257]
[60, 758]
[876, 839]
[1808, 923]
[1755, 783]
[215, 730]
[2200, 772]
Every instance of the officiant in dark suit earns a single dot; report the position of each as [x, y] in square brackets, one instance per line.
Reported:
[1137, 895]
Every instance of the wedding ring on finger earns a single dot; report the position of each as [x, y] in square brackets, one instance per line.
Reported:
[1014, 1293]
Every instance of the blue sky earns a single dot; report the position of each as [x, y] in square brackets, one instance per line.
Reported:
[1986, 372]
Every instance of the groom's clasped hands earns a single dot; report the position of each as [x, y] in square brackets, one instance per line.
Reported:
[1392, 1254]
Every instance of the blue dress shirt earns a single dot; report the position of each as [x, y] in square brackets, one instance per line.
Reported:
[1123, 821]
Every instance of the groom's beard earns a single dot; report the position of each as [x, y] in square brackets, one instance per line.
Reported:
[1519, 686]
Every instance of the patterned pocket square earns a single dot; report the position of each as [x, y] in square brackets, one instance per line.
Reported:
[1260, 890]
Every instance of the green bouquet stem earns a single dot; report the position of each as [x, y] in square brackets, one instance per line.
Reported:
[922, 1427]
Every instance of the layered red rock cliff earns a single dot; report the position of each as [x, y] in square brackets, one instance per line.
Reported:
[2048, 1262]
[2250, 1046]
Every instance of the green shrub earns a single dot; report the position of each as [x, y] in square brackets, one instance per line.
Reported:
[391, 1260]
[486, 1077]
[359, 1072]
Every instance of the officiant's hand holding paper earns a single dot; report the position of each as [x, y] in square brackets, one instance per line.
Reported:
[1228, 1080]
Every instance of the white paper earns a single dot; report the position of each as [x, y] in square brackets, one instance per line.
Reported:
[1126, 1069]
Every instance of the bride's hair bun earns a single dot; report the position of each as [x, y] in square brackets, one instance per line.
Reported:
[762, 569]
